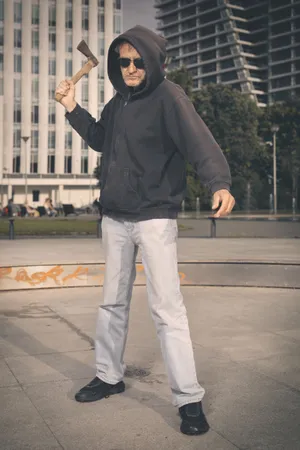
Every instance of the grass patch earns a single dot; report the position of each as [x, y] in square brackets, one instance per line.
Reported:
[49, 226]
[55, 226]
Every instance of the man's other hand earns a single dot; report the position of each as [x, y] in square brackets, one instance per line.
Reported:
[226, 200]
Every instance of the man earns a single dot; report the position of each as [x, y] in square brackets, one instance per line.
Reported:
[146, 134]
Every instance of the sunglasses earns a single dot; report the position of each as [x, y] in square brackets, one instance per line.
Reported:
[138, 62]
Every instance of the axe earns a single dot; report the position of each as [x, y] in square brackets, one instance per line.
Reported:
[91, 62]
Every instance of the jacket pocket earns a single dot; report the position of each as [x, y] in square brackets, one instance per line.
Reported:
[121, 191]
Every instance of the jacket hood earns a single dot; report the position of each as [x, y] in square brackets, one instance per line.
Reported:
[152, 49]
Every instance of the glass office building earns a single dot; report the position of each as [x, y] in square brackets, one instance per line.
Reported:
[252, 45]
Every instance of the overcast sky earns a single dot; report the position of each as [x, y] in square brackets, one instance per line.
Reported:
[138, 12]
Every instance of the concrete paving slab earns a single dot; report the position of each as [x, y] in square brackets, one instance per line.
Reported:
[79, 251]
[125, 421]
[21, 426]
[6, 376]
[251, 410]
[252, 403]
[52, 367]
[291, 334]
[43, 343]
[283, 368]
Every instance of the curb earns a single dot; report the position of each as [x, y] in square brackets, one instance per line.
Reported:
[194, 273]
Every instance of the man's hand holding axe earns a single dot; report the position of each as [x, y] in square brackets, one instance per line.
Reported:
[65, 92]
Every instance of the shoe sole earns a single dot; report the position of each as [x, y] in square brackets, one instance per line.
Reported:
[114, 390]
[194, 433]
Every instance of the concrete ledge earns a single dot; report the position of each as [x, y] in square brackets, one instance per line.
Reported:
[212, 273]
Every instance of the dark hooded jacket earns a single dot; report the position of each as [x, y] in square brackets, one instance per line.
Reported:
[146, 136]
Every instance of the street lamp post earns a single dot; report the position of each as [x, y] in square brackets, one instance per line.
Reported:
[274, 130]
[25, 139]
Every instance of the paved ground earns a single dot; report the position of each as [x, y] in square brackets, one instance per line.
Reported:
[78, 251]
[246, 344]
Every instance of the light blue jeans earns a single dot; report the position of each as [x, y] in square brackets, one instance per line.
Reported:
[157, 240]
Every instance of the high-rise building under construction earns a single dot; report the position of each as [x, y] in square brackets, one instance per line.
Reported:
[253, 45]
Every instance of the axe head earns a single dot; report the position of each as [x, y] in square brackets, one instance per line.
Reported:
[84, 49]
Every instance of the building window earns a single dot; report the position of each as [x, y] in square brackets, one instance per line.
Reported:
[17, 88]
[117, 24]
[101, 22]
[35, 196]
[1, 9]
[17, 38]
[117, 4]
[68, 140]
[52, 87]
[69, 20]
[281, 55]
[209, 80]
[227, 64]
[16, 164]
[35, 114]
[101, 69]
[101, 46]
[207, 68]
[34, 139]
[34, 64]
[35, 40]
[51, 139]
[85, 2]
[17, 138]
[1, 62]
[51, 164]
[101, 3]
[69, 43]
[52, 67]
[85, 92]
[85, 19]
[35, 17]
[68, 164]
[34, 162]
[35, 89]
[52, 16]
[281, 82]
[229, 76]
[1, 86]
[17, 112]
[17, 12]
[100, 93]
[51, 114]
[68, 67]
[84, 145]
[52, 41]
[17, 63]
[84, 164]
[206, 56]
[1, 36]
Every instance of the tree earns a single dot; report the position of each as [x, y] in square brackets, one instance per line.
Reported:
[182, 77]
[233, 119]
[287, 116]
[98, 172]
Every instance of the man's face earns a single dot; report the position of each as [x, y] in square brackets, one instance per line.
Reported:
[132, 75]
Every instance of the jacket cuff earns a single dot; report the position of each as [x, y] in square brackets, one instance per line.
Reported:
[74, 115]
[218, 186]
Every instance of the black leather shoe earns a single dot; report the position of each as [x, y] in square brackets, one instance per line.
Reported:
[98, 389]
[193, 419]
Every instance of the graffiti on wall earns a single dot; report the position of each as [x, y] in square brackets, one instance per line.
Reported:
[60, 276]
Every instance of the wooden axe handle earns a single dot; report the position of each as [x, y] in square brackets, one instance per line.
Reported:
[75, 78]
